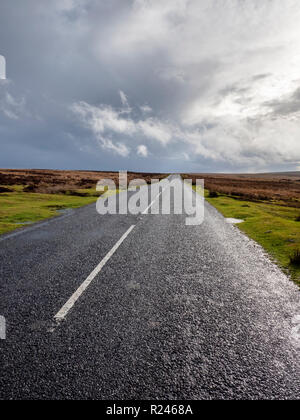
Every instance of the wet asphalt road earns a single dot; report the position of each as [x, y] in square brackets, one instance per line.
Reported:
[178, 312]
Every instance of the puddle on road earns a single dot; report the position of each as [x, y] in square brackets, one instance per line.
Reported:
[234, 221]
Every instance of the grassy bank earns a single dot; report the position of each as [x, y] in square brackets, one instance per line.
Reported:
[18, 208]
[19, 205]
[276, 228]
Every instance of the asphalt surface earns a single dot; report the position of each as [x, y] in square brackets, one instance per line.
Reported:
[177, 312]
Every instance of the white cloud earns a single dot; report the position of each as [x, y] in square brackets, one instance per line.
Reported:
[104, 119]
[12, 107]
[145, 109]
[124, 100]
[249, 142]
[119, 148]
[107, 123]
[142, 150]
[155, 129]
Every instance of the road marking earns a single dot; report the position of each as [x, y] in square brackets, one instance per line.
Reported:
[60, 316]
[151, 204]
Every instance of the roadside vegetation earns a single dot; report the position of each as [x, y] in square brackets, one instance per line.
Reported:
[277, 188]
[19, 208]
[63, 182]
[31, 195]
[275, 227]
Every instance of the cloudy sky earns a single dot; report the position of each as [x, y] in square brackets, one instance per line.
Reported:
[154, 85]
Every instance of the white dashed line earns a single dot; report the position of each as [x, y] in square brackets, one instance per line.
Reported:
[60, 316]
[151, 204]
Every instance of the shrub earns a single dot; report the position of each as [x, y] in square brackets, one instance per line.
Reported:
[5, 190]
[29, 188]
[213, 194]
[295, 258]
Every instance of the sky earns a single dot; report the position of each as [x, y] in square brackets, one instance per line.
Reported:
[150, 85]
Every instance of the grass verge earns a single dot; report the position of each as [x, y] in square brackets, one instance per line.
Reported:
[276, 228]
[18, 208]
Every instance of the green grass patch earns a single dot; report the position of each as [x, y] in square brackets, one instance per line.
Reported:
[18, 208]
[273, 226]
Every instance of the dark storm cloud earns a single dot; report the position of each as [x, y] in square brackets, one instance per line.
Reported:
[143, 84]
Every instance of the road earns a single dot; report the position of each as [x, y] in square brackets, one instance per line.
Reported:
[173, 312]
